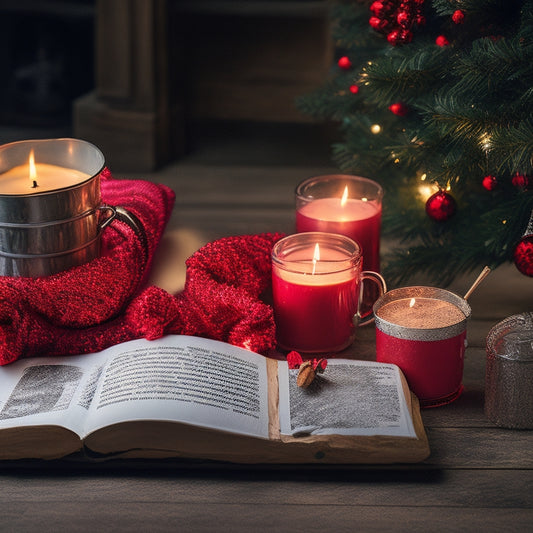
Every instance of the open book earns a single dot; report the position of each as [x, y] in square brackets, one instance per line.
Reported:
[190, 397]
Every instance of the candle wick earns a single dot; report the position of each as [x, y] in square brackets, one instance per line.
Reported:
[35, 185]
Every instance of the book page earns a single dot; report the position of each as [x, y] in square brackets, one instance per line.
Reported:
[48, 391]
[186, 379]
[349, 398]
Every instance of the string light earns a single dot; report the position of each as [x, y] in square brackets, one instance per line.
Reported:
[425, 190]
[485, 141]
[375, 129]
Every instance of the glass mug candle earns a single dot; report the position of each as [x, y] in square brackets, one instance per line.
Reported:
[317, 282]
[423, 331]
[343, 204]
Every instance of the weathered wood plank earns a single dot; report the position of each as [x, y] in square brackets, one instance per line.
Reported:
[488, 448]
[168, 484]
[130, 516]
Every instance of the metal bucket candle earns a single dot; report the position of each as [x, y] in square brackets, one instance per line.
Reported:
[423, 331]
[51, 213]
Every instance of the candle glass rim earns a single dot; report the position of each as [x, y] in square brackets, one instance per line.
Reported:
[98, 167]
[308, 182]
[415, 333]
[309, 238]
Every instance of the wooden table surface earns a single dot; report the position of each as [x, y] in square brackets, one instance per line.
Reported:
[478, 477]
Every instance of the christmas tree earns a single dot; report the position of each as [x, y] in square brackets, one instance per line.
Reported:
[434, 101]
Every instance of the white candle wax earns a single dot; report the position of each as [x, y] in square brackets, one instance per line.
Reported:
[48, 177]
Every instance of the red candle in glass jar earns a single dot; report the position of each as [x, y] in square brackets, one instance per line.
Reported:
[316, 280]
[423, 331]
[347, 205]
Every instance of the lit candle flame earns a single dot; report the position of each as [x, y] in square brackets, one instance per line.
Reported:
[33, 170]
[412, 302]
[316, 257]
[344, 196]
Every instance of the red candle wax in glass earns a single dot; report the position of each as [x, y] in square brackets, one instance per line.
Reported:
[358, 219]
[315, 289]
[314, 313]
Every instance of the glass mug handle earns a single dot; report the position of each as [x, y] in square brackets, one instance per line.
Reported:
[366, 318]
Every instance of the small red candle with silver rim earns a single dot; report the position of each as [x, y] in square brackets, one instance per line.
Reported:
[423, 331]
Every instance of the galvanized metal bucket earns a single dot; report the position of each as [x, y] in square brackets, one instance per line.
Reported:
[42, 233]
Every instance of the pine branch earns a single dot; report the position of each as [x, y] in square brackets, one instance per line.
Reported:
[513, 146]
[470, 115]
[395, 77]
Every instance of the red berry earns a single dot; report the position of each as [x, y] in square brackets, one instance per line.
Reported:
[345, 63]
[376, 7]
[442, 41]
[490, 182]
[394, 37]
[403, 19]
[399, 109]
[378, 24]
[458, 16]
[520, 181]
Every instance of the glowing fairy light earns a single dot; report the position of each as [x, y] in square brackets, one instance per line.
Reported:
[485, 141]
[425, 189]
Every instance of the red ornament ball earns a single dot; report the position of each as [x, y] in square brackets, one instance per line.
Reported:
[344, 63]
[399, 109]
[441, 206]
[490, 182]
[523, 256]
[354, 89]
[458, 16]
[520, 181]
[442, 41]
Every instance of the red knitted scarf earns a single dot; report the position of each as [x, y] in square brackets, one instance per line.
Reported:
[106, 301]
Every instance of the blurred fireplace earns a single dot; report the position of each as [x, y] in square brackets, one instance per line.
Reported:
[132, 75]
[47, 60]
[161, 64]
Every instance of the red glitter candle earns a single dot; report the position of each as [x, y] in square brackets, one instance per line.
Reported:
[423, 331]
